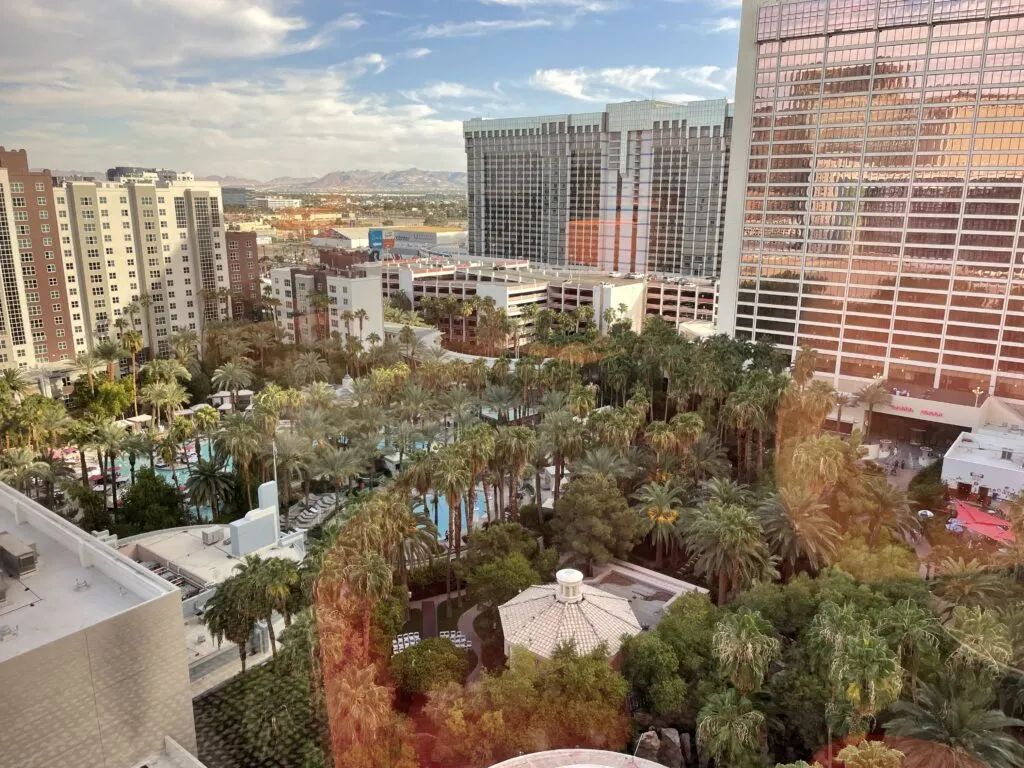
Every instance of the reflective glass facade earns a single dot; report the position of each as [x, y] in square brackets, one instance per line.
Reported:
[882, 206]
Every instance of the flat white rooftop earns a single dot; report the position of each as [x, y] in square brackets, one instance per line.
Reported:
[78, 582]
[990, 447]
[576, 758]
[182, 550]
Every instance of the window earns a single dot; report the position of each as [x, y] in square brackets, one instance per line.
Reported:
[18, 202]
[17, 186]
[85, 201]
[40, 201]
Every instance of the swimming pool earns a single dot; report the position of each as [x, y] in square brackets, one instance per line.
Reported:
[182, 470]
[442, 512]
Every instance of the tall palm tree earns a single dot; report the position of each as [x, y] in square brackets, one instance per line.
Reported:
[606, 461]
[20, 467]
[240, 440]
[294, 457]
[310, 367]
[563, 436]
[209, 482]
[338, 465]
[872, 396]
[233, 376]
[164, 370]
[727, 544]
[452, 477]
[183, 345]
[912, 631]
[968, 583]
[368, 575]
[109, 352]
[206, 419]
[110, 439]
[82, 434]
[661, 505]
[744, 648]
[661, 437]
[88, 361]
[230, 615]
[706, 459]
[799, 529]
[267, 586]
[954, 723]
[729, 728]
[513, 448]
[132, 342]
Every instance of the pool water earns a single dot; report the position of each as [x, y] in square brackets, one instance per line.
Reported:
[442, 511]
[142, 462]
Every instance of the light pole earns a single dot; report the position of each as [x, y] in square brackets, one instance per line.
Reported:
[277, 496]
[978, 392]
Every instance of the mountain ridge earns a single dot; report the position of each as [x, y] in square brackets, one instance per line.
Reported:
[409, 179]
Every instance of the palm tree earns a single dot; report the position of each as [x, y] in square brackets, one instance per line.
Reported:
[886, 507]
[729, 728]
[230, 615]
[968, 584]
[606, 461]
[133, 342]
[310, 367]
[337, 465]
[163, 370]
[727, 544]
[744, 649]
[955, 723]
[208, 482]
[724, 490]
[20, 467]
[241, 441]
[183, 345]
[206, 419]
[109, 352]
[452, 477]
[293, 456]
[799, 529]
[660, 508]
[87, 361]
[871, 396]
[110, 439]
[513, 448]
[81, 434]
[707, 459]
[842, 400]
[662, 439]
[912, 631]
[233, 376]
[368, 575]
[563, 436]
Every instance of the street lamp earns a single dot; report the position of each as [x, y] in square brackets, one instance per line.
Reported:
[978, 392]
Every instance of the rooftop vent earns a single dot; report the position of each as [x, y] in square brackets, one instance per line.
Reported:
[568, 588]
[16, 557]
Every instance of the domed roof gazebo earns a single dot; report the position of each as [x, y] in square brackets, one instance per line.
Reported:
[545, 616]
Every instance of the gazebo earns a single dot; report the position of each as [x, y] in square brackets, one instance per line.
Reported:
[545, 616]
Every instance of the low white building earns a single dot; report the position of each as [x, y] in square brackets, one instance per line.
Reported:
[986, 462]
[93, 665]
[277, 203]
[345, 238]
[545, 616]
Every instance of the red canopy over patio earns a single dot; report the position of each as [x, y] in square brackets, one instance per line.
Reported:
[977, 521]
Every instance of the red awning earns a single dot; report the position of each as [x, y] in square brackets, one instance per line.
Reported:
[977, 521]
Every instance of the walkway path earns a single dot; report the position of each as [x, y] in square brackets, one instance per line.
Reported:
[466, 627]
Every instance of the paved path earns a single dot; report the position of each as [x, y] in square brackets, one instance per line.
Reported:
[466, 627]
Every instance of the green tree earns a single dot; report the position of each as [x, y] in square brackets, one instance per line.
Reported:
[230, 615]
[744, 648]
[209, 482]
[799, 529]
[661, 505]
[431, 663]
[729, 730]
[955, 723]
[727, 545]
[493, 583]
[233, 376]
[594, 522]
[870, 754]
[152, 504]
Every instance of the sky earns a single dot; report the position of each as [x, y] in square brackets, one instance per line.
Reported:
[268, 88]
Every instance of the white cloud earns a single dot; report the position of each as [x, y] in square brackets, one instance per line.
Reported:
[445, 90]
[133, 81]
[585, 6]
[723, 24]
[478, 28]
[610, 84]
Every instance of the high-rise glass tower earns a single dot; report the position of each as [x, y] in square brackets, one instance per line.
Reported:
[874, 208]
[639, 187]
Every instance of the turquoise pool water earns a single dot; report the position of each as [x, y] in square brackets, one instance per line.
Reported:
[181, 468]
[442, 512]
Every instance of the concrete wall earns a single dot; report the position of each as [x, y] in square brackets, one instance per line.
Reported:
[104, 697]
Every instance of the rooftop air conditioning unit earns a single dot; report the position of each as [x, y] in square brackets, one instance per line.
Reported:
[212, 535]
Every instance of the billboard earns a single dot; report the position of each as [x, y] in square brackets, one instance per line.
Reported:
[376, 238]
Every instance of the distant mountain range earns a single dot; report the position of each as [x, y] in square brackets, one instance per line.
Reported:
[410, 180]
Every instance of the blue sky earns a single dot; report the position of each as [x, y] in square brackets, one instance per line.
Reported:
[264, 88]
